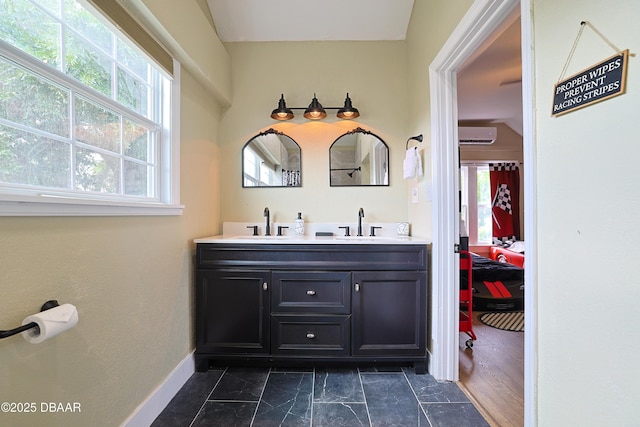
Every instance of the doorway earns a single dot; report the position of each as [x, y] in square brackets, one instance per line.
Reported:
[480, 22]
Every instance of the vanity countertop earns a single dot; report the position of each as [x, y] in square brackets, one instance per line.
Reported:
[240, 232]
[313, 240]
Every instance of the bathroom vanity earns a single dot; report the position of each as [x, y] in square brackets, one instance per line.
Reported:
[310, 301]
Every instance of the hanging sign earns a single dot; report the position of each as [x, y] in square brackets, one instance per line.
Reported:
[602, 81]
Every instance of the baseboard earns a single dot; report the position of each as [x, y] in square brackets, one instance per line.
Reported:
[153, 405]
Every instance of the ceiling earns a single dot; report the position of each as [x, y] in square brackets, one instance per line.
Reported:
[306, 20]
[489, 85]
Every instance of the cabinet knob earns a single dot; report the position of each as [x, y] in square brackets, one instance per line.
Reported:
[265, 286]
[311, 293]
[311, 335]
[357, 286]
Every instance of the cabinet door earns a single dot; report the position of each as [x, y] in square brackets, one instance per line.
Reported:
[232, 312]
[389, 313]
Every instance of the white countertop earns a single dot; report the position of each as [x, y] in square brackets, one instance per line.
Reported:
[239, 233]
[320, 240]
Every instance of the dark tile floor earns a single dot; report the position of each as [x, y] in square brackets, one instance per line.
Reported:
[318, 397]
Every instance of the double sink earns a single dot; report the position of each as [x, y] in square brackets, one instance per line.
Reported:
[237, 232]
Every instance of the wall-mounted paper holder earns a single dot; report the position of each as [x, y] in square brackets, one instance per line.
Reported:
[46, 306]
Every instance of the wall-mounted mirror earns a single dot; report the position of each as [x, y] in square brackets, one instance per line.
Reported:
[271, 159]
[357, 158]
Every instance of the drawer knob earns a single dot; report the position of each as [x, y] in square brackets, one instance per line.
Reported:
[357, 286]
[265, 286]
[311, 335]
[311, 293]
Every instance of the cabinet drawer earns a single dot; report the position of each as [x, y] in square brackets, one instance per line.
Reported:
[311, 292]
[308, 257]
[310, 335]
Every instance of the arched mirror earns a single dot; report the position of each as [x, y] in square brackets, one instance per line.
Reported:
[357, 158]
[271, 159]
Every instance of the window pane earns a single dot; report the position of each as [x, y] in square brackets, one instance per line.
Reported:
[97, 172]
[485, 221]
[97, 126]
[28, 28]
[132, 60]
[132, 92]
[32, 101]
[484, 224]
[136, 141]
[87, 25]
[87, 65]
[52, 6]
[30, 159]
[136, 179]
[484, 190]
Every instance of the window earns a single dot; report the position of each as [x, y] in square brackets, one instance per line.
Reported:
[85, 115]
[257, 173]
[475, 202]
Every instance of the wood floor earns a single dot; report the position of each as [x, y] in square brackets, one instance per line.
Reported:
[492, 374]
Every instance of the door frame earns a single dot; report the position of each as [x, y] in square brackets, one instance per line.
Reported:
[478, 24]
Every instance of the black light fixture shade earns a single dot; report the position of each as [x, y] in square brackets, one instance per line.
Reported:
[348, 112]
[282, 112]
[315, 111]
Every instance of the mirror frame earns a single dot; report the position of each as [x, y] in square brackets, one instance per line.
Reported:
[268, 132]
[386, 160]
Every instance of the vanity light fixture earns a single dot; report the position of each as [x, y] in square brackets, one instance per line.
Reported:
[282, 112]
[347, 112]
[315, 110]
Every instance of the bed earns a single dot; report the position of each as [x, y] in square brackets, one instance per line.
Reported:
[513, 254]
[496, 285]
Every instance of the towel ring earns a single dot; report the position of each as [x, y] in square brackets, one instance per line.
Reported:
[417, 138]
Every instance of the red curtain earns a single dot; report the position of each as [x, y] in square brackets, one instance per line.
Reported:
[505, 193]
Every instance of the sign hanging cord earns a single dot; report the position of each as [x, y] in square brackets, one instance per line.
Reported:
[575, 44]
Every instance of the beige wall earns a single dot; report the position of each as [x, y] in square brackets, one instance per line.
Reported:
[131, 281]
[587, 218]
[373, 73]
[430, 27]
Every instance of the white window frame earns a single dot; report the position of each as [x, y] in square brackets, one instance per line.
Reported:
[40, 202]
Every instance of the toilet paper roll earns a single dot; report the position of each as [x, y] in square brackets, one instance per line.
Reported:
[51, 323]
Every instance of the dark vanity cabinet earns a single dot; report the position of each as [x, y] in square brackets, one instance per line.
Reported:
[311, 303]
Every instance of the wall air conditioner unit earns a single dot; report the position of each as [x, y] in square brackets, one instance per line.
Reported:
[477, 135]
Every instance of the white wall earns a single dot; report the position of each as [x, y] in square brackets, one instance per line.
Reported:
[587, 213]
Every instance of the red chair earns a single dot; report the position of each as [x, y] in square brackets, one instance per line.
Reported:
[466, 298]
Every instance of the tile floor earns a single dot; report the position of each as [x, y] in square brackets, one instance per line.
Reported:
[318, 397]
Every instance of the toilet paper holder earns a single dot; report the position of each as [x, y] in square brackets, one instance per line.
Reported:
[46, 306]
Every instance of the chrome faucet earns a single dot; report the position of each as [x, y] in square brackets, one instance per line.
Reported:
[268, 229]
[360, 216]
